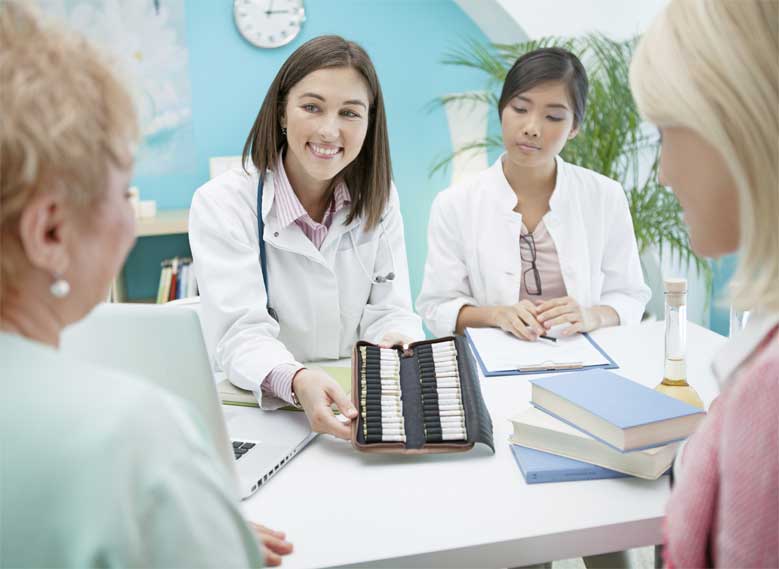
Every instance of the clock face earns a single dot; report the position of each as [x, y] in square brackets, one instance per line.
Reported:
[269, 23]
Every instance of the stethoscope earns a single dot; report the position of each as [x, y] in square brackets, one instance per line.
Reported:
[375, 279]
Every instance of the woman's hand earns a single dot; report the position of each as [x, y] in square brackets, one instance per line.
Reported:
[566, 310]
[391, 339]
[518, 319]
[273, 542]
[317, 391]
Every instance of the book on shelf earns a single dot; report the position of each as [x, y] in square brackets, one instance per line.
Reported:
[177, 280]
[539, 467]
[615, 410]
[174, 274]
[539, 431]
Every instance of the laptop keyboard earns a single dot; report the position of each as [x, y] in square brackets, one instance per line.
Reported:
[240, 448]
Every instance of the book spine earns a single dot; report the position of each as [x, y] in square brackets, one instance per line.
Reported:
[541, 477]
[164, 279]
[173, 278]
[182, 279]
[166, 285]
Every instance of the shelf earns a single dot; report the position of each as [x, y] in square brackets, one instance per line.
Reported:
[166, 222]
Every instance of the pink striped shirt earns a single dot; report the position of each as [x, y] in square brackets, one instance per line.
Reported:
[289, 210]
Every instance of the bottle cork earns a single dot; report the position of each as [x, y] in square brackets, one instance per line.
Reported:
[675, 291]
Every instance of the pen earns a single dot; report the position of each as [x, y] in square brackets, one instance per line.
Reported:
[541, 336]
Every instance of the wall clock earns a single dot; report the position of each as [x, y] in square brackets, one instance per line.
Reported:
[269, 23]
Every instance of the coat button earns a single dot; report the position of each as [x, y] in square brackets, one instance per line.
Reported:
[276, 234]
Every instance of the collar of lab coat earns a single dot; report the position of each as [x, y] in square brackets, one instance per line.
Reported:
[505, 197]
[565, 234]
[291, 237]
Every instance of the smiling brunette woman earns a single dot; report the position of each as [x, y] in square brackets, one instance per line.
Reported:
[534, 242]
[301, 253]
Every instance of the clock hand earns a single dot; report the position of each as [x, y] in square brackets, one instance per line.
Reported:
[269, 11]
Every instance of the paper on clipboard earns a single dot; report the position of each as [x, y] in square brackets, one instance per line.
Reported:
[499, 353]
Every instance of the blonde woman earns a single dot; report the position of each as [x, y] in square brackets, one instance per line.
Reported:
[97, 468]
[707, 74]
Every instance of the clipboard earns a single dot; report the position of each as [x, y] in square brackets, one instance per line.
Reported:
[547, 366]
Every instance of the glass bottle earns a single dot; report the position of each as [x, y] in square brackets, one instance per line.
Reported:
[674, 382]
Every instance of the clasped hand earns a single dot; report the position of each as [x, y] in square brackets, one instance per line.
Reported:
[528, 320]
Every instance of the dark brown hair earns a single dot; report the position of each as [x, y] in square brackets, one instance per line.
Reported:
[369, 176]
[544, 65]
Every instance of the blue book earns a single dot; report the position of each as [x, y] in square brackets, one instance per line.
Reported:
[538, 467]
[617, 411]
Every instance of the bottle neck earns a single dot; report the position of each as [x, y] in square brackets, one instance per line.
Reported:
[675, 342]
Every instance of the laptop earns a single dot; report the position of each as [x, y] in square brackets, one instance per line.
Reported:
[164, 345]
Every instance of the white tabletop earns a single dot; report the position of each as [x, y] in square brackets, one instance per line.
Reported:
[342, 507]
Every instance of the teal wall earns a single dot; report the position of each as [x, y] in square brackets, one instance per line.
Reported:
[229, 77]
[405, 38]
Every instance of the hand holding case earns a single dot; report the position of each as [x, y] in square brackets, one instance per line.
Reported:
[477, 418]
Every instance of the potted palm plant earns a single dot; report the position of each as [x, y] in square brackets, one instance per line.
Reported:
[613, 140]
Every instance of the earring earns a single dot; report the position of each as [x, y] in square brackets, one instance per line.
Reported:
[60, 288]
[283, 131]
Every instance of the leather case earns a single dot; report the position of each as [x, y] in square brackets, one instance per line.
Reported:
[477, 419]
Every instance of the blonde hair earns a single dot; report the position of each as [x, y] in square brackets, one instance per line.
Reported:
[65, 119]
[713, 66]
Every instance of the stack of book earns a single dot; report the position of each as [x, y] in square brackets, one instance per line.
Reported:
[596, 424]
[177, 280]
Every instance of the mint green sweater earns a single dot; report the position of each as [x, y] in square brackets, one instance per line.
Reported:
[98, 468]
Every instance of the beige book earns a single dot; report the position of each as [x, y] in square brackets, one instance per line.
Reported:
[537, 430]
[229, 394]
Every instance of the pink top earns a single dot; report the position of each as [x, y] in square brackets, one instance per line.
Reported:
[289, 210]
[724, 507]
[547, 263]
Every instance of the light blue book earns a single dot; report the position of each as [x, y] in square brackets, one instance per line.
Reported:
[615, 410]
[538, 467]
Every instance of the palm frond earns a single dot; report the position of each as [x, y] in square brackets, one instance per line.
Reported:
[473, 97]
[442, 164]
[479, 56]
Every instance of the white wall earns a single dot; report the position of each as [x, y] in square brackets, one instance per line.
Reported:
[511, 21]
[618, 19]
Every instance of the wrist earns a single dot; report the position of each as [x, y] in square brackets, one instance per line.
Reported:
[594, 317]
[492, 316]
[296, 382]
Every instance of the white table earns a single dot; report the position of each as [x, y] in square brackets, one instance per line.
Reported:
[340, 507]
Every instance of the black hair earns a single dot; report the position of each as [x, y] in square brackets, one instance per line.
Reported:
[543, 65]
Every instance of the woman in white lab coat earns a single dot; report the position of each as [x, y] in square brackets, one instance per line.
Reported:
[534, 242]
[331, 266]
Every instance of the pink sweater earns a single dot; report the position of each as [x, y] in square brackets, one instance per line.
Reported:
[724, 508]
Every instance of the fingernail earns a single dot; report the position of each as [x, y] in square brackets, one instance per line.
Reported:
[352, 412]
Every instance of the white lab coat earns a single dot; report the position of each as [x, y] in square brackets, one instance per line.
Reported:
[324, 299]
[473, 246]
